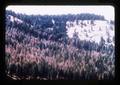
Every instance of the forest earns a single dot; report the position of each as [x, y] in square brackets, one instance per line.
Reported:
[38, 47]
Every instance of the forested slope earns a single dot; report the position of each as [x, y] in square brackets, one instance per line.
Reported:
[39, 47]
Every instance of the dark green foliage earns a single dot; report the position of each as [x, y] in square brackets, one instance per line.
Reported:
[52, 46]
[7, 57]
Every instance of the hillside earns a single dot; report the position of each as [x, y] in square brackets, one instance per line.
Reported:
[56, 47]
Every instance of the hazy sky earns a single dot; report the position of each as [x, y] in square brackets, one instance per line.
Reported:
[106, 10]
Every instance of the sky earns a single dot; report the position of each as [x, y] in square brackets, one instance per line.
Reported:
[107, 11]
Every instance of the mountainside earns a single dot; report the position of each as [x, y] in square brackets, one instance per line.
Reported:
[70, 46]
[92, 30]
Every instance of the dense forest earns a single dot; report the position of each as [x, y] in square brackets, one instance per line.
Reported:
[38, 47]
